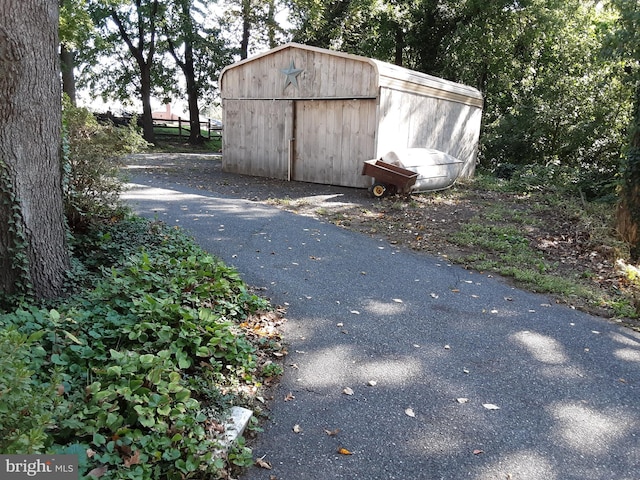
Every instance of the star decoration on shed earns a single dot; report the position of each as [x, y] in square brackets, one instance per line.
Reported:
[292, 75]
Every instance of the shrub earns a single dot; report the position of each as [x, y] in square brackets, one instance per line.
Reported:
[92, 161]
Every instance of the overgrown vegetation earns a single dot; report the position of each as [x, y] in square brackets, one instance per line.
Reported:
[92, 162]
[544, 233]
[135, 373]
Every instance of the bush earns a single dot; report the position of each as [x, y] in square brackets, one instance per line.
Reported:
[92, 161]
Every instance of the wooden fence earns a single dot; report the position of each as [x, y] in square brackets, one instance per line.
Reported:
[181, 126]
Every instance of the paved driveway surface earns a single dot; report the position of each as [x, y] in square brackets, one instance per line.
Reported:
[453, 374]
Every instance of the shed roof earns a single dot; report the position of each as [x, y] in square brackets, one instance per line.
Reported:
[387, 75]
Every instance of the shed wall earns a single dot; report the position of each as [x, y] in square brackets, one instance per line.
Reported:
[323, 76]
[410, 120]
[338, 110]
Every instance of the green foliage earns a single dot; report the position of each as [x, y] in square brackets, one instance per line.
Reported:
[18, 263]
[75, 23]
[145, 359]
[92, 161]
[26, 403]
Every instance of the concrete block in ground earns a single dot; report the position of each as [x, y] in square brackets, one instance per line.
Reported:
[234, 426]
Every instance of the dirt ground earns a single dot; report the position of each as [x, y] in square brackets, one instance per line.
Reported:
[424, 222]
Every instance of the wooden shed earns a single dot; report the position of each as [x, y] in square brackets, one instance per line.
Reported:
[304, 113]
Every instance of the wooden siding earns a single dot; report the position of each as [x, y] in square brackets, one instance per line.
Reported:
[411, 121]
[332, 140]
[256, 137]
[323, 76]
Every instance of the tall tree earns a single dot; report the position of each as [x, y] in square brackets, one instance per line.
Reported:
[320, 23]
[133, 23]
[252, 23]
[33, 250]
[198, 51]
[627, 47]
[550, 96]
[75, 29]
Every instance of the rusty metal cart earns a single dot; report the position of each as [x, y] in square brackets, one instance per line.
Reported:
[388, 178]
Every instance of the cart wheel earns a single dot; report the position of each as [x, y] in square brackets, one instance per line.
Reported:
[379, 190]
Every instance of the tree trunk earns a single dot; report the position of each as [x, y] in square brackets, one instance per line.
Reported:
[271, 24]
[145, 96]
[246, 28]
[628, 214]
[144, 65]
[399, 45]
[192, 95]
[67, 63]
[33, 251]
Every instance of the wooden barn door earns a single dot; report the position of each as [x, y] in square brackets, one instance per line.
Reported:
[257, 137]
[332, 139]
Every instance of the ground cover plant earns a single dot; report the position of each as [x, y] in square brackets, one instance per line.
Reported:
[135, 371]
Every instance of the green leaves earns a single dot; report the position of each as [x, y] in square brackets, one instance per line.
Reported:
[140, 358]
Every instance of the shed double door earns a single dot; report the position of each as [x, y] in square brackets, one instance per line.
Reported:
[331, 140]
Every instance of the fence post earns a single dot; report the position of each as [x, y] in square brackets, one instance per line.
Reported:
[180, 127]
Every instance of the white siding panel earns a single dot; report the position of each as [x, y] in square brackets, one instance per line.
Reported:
[415, 121]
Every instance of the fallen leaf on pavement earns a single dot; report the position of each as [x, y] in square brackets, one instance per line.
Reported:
[462, 400]
[409, 412]
[373, 383]
[397, 300]
[490, 406]
[478, 452]
[297, 428]
[344, 451]
[262, 463]
[332, 433]
[347, 391]
[288, 397]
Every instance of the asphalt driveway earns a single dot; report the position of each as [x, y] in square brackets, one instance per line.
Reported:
[411, 367]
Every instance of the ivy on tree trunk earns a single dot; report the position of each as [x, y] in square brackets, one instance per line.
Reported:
[33, 251]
